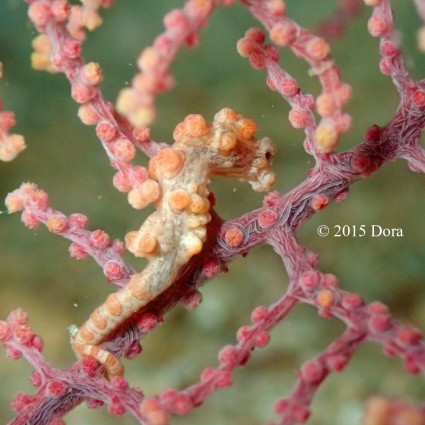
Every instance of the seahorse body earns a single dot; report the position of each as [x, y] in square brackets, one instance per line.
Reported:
[171, 235]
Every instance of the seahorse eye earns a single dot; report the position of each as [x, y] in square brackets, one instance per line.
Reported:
[266, 149]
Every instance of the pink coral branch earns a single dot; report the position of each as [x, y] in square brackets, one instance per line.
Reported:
[60, 391]
[117, 135]
[36, 210]
[264, 319]
[20, 341]
[381, 25]
[84, 16]
[301, 115]
[316, 52]
[182, 27]
[296, 407]
[364, 323]
[328, 180]
[368, 322]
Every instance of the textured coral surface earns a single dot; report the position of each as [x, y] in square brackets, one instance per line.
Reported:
[63, 158]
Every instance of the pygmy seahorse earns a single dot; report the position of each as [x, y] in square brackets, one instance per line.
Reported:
[176, 230]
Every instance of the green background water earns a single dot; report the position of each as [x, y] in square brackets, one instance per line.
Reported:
[64, 158]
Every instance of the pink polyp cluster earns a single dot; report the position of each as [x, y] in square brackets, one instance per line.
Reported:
[27, 195]
[11, 145]
[86, 16]
[34, 204]
[316, 51]
[137, 103]
[78, 18]
[58, 48]
[17, 336]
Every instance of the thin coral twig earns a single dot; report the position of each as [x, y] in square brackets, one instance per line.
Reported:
[316, 52]
[182, 27]
[36, 210]
[117, 135]
[381, 25]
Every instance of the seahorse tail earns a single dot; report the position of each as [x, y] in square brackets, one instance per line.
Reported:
[104, 319]
[112, 365]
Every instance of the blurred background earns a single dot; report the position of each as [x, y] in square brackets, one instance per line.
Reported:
[65, 159]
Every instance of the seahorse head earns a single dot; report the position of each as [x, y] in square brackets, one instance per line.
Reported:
[231, 147]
